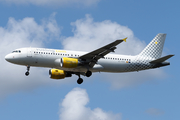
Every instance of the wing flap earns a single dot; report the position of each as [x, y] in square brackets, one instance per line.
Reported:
[162, 59]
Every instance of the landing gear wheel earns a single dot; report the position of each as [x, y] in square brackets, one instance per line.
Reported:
[88, 73]
[28, 68]
[27, 73]
[80, 80]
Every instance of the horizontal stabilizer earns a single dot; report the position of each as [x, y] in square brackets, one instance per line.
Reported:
[162, 59]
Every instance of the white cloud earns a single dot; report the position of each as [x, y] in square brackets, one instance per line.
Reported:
[18, 34]
[154, 112]
[90, 35]
[54, 2]
[73, 107]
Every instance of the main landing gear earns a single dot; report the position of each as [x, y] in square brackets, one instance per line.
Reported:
[87, 74]
[28, 68]
[80, 80]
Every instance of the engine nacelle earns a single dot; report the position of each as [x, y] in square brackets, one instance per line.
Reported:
[57, 74]
[69, 62]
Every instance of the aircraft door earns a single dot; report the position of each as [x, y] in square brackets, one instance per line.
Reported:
[29, 52]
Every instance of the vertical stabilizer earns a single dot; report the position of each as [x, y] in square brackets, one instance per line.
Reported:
[155, 47]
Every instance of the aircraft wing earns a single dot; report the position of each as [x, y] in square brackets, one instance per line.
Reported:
[94, 56]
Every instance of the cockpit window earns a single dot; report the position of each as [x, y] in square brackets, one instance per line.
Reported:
[16, 51]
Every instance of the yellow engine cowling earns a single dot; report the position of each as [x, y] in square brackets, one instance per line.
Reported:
[57, 74]
[69, 62]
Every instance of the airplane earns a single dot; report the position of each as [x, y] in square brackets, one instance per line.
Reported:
[64, 63]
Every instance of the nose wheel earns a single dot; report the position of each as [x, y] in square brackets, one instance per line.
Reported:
[27, 73]
[28, 68]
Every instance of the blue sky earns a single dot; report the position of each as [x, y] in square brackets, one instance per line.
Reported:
[87, 25]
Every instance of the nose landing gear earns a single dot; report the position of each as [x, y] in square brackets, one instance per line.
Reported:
[28, 68]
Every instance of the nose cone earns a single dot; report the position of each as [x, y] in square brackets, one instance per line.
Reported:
[12, 58]
[8, 58]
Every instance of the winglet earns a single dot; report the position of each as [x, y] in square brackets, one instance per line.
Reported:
[124, 39]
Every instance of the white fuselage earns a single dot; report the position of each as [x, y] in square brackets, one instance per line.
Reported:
[41, 57]
[64, 63]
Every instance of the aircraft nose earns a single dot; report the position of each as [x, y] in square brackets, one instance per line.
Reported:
[12, 58]
[8, 58]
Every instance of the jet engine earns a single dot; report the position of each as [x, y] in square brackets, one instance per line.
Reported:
[69, 62]
[58, 74]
